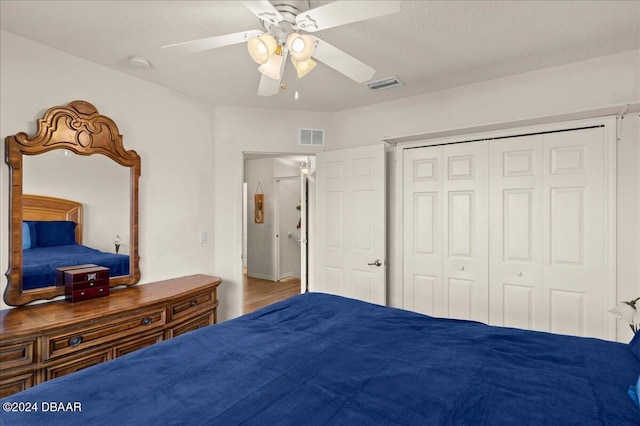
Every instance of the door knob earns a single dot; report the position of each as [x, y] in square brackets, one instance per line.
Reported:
[461, 268]
[375, 263]
[519, 274]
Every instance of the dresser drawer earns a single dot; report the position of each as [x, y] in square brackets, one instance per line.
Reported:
[138, 343]
[190, 325]
[91, 290]
[76, 363]
[190, 306]
[17, 384]
[88, 285]
[80, 339]
[17, 354]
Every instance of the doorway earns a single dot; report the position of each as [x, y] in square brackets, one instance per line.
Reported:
[275, 241]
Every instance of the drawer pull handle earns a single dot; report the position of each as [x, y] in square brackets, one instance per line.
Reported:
[91, 284]
[193, 303]
[75, 341]
[147, 321]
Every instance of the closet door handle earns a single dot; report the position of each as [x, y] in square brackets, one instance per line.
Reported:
[461, 268]
[375, 263]
[519, 274]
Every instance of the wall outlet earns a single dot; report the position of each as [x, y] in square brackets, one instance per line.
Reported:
[203, 237]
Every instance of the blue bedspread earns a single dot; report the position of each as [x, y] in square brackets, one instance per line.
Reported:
[39, 264]
[320, 359]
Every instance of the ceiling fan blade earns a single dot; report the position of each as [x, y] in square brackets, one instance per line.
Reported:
[213, 42]
[344, 12]
[269, 86]
[342, 62]
[264, 10]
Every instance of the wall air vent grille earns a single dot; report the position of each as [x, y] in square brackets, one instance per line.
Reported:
[311, 137]
[385, 83]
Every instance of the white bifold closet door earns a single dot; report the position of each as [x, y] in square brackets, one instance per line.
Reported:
[445, 230]
[509, 231]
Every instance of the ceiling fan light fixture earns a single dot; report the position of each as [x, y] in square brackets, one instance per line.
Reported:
[273, 67]
[301, 46]
[261, 48]
[303, 67]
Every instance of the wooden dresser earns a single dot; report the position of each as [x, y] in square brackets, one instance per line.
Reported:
[45, 341]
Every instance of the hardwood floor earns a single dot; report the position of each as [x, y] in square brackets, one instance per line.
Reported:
[259, 293]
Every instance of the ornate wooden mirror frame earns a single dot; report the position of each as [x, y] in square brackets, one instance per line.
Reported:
[77, 127]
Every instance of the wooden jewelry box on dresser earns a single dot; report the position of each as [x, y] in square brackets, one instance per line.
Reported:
[45, 341]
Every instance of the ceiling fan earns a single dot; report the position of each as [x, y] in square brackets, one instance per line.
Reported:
[286, 33]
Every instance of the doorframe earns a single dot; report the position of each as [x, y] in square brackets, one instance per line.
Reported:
[610, 132]
[308, 152]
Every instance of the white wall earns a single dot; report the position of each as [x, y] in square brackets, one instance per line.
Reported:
[238, 130]
[628, 214]
[585, 85]
[172, 134]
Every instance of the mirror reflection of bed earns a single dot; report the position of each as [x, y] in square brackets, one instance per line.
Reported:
[53, 231]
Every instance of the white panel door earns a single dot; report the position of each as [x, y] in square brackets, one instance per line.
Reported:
[515, 223]
[422, 233]
[465, 231]
[445, 231]
[350, 223]
[574, 191]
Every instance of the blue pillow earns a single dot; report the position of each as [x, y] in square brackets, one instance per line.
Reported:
[32, 234]
[634, 391]
[26, 236]
[55, 233]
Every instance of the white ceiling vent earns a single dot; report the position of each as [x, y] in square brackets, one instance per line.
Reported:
[311, 137]
[385, 83]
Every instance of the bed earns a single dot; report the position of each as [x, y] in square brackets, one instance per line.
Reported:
[52, 238]
[323, 359]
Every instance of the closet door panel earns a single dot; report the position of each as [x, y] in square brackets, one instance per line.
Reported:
[515, 223]
[423, 171]
[574, 237]
[465, 242]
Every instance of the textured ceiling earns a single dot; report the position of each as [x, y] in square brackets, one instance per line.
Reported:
[430, 45]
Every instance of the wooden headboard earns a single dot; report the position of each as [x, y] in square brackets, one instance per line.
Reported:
[38, 207]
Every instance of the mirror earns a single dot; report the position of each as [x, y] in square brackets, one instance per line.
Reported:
[59, 162]
[63, 174]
